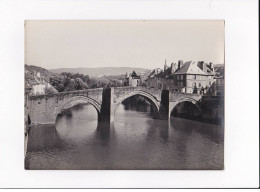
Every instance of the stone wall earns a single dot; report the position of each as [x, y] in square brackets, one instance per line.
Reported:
[122, 93]
[43, 109]
[212, 109]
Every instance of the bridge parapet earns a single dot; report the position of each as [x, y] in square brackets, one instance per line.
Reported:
[175, 95]
[95, 94]
[123, 91]
[43, 109]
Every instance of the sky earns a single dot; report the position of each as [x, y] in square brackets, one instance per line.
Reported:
[142, 44]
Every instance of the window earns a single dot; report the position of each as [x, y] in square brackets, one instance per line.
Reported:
[209, 82]
[199, 84]
[193, 84]
[181, 77]
[193, 76]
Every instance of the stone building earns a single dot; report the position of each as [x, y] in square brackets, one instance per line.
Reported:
[188, 77]
[162, 78]
[38, 84]
[152, 79]
[132, 79]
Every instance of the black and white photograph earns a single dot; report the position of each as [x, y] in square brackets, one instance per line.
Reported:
[124, 95]
[134, 95]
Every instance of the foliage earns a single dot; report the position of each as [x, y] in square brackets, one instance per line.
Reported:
[49, 90]
[70, 82]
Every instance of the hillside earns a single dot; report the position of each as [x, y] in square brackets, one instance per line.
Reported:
[44, 72]
[102, 71]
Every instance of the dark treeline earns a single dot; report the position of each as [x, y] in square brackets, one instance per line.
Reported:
[71, 82]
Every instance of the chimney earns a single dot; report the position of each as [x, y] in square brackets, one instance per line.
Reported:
[173, 67]
[180, 63]
[201, 65]
[211, 66]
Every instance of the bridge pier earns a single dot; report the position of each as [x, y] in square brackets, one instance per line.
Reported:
[43, 109]
[164, 113]
[106, 114]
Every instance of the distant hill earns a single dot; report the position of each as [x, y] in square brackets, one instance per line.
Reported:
[44, 72]
[101, 71]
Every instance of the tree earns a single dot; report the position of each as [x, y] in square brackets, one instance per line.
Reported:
[49, 90]
[60, 88]
[85, 78]
[71, 85]
[116, 83]
[80, 84]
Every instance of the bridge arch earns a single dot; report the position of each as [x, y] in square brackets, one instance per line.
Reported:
[146, 95]
[75, 100]
[186, 99]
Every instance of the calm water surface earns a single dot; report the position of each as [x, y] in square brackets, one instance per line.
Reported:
[135, 141]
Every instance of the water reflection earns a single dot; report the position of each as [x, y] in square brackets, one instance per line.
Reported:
[103, 131]
[43, 137]
[134, 141]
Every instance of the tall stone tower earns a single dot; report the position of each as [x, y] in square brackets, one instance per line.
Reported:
[165, 66]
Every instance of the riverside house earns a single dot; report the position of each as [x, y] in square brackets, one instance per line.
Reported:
[188, 77]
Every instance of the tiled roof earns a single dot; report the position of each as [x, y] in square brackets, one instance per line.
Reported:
[164, 74]
[207, 68]
[153, 73]
[190, 67]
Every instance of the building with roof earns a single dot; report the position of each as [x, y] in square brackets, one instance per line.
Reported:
[37, 84]
[188, 77]
[162, 79]
[132, 79]
[152, 79]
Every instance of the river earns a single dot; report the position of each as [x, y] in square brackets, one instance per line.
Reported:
[134, 141]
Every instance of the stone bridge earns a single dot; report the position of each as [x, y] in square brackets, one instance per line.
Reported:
[43, 109]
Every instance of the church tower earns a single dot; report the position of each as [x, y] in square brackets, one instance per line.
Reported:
[165, 66]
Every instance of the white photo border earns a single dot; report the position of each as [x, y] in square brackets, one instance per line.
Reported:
[241, 92]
